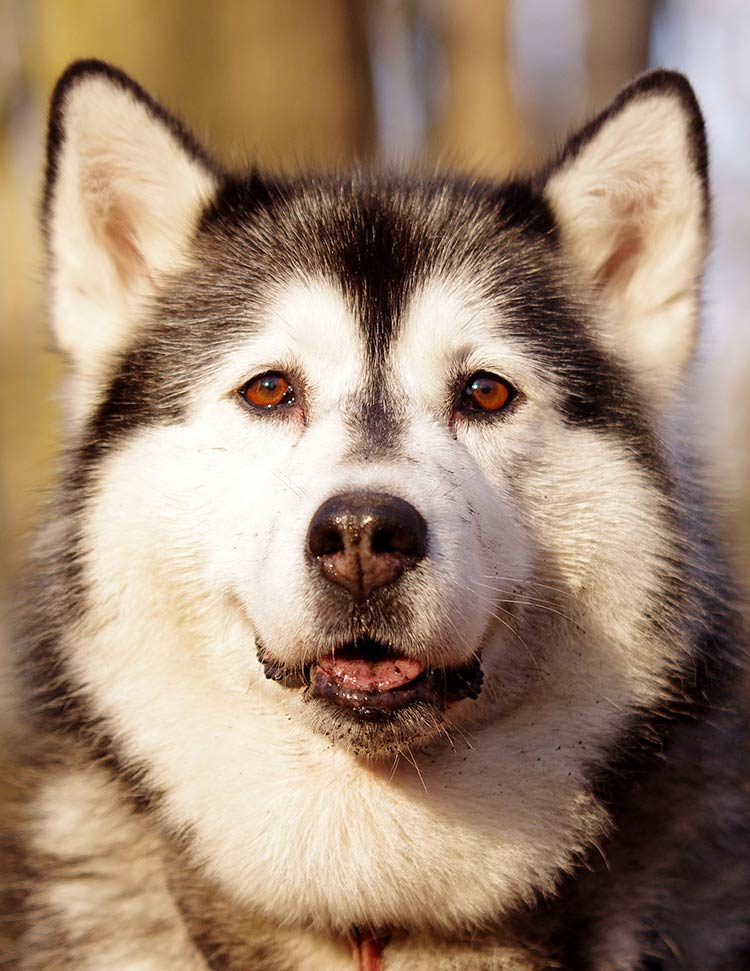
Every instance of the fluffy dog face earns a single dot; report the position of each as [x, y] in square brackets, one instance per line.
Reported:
[370, 467]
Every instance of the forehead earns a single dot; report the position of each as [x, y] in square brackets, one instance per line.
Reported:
[375, 242]
[443, 323]
[381, 245]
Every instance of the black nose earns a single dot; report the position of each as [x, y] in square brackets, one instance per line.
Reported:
[365, 540]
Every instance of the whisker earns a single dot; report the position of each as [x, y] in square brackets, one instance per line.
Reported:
[410, 758]
[541, 604]
[394, 766]
[464, 736]
[530, 583]
[443, 729]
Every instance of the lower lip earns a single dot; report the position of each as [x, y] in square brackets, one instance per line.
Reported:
[421, 688]
[434, 687]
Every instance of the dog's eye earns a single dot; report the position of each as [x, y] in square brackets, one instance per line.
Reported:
[269, 390]
[486, 393]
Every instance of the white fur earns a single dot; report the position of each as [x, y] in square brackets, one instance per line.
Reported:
[105, 883]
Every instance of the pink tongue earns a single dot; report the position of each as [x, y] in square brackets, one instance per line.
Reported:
[363, 675]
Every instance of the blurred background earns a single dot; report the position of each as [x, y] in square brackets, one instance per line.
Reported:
[482, 85]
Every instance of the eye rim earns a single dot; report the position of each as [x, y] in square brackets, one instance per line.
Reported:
[288, 399]
[468, 406]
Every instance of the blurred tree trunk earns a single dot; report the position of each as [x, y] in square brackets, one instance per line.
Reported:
[478, 125]
[289, 77]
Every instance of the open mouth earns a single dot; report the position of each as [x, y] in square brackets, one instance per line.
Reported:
[371, 680]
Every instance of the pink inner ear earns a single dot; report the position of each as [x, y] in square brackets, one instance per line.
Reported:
[618, 268]
[632, 211]
[111, 224]
[119, 238]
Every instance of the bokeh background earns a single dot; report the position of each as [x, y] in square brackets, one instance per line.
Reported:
[481, 85]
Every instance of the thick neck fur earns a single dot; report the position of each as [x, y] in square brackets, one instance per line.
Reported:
[602, 918]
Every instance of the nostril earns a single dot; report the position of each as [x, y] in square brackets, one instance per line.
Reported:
[402, 539]
[325, 540]
[407, 537]
[382, 541]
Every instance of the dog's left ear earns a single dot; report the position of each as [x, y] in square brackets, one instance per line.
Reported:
[630, 195]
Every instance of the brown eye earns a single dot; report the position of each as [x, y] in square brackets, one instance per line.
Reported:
[486, 393]
[268, 391]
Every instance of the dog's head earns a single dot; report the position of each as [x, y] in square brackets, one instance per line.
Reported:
[367, 464]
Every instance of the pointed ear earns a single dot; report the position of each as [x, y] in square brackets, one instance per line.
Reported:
[630, 195]
[125, 185]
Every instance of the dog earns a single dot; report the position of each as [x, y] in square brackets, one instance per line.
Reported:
[380, 621]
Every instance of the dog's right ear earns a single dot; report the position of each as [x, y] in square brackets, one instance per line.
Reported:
[125, 186]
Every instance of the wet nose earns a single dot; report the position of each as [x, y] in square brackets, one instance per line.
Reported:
[365, 540]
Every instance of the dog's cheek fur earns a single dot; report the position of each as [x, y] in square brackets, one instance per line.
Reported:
[612, 579]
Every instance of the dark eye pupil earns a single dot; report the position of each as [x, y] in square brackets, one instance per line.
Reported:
[481, 388]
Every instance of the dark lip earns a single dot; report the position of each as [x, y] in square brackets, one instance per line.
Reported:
[435, 687]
